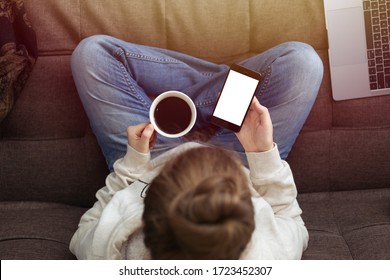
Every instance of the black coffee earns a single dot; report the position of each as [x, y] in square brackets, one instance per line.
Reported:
[172, 115]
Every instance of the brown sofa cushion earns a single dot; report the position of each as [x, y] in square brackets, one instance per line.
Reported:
[37, 230]
[209, 29]
[347, 225]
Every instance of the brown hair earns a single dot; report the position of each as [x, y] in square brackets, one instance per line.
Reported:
[199, 207]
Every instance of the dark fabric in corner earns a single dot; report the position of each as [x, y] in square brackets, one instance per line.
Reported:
[18, 52]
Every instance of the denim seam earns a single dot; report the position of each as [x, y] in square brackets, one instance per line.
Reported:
[119, 55]
[267, 77]
[149, 58]
[205, 103]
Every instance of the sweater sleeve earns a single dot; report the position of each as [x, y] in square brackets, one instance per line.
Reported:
[126, 170]
[272, 178]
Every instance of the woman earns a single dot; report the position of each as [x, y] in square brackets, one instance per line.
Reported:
[219, 212]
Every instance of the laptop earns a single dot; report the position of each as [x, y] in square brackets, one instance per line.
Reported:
[359, 52]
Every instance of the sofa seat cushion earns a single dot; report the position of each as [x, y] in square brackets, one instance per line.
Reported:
[347, 225]
[208, 29]
[32, 230]
[342, 225]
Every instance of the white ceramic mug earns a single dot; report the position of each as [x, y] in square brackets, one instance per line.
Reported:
[173, 114]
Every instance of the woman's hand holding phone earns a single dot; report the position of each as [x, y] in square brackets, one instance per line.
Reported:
[256, 134]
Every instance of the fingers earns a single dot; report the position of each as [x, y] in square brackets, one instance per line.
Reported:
[257, 106]
[260, 110]
[147, 132]
[256, 134]
[149, 136]
[141, 137]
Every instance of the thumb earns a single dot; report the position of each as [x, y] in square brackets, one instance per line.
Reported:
[147, 138]
[147, 133]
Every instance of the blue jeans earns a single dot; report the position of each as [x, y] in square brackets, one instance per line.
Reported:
[117, 81]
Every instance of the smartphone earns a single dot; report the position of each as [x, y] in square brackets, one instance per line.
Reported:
[236, 97]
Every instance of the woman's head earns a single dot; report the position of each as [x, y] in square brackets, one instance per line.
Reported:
[199, 207]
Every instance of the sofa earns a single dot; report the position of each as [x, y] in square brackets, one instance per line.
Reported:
[51, 165]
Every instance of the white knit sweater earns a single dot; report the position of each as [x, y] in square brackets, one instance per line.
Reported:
[112, 228]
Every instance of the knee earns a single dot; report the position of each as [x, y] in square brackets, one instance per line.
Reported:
[86, 46]
[87, 51]
[303, 72]
[305, 60]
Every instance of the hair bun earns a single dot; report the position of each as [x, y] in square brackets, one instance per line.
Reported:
[211, 216]
[212, 201]
[199, 207]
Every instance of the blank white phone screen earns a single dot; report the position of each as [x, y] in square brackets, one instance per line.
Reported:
[235, 97]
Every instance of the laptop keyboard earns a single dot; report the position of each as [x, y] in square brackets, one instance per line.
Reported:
[377, 23]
